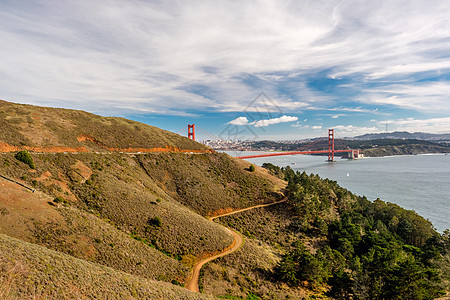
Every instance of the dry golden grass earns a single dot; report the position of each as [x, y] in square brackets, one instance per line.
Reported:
[140, 214]
[29, 216]
[210, 182]
[28, 271]
[120, 191]
[34, 126]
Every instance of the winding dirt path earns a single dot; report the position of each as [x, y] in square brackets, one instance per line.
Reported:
[192, 283]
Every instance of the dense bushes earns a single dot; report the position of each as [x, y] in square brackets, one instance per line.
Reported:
[26, 158]
[374, 250]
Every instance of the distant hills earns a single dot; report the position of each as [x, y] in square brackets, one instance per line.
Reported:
[404, 135]
[370, 147]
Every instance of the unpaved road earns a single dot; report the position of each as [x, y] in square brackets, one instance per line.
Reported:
[192, 283]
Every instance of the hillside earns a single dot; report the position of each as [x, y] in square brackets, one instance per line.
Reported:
[29, 271]
[44, 129]
[326, 242]
[387, 147]
[103, 220]
[101, 201]
[404, 135]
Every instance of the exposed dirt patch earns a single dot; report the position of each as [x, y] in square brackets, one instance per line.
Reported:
[24, 208]
[47, 180]
[86, 137]
[192, 283]
[44, 176]
[220, 212]
[83, 170]
[4, 147]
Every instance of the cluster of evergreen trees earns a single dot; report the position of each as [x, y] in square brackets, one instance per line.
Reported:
[369, 250]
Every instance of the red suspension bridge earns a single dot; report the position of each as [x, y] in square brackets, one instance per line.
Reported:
[331, 151]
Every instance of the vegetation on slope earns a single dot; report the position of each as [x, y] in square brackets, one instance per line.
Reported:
[30, 217]
[209, 182]
[26, 158]
[138, 214]
[116, 189]
[34, 126]
[334, 243]
[29, 271]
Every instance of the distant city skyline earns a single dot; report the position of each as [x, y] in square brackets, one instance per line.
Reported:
[280, 70]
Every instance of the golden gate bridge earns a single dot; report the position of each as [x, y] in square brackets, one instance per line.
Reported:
[331, 151]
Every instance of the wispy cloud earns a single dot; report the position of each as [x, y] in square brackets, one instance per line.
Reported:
[350, 130]
[421, 96]
[263, 122]
[195, 57]
[437, 125]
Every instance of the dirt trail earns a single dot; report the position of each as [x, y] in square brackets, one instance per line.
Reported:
[192, 283]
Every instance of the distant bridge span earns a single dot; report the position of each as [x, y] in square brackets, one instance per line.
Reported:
[353, 152]
[331, 151]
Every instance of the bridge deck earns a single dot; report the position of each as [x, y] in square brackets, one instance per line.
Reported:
[293, 153]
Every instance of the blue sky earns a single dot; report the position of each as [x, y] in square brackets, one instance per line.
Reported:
[266, 69]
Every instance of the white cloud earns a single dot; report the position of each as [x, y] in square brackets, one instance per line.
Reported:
[297, 125]
[172, 56]
[436, 125]
[428, 96]
[263, 122]
[282, 119]
[351, 130]
[239, 121]
[317, 127]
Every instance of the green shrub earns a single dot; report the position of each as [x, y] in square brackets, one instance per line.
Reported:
[59, 200]
[252, 168]
[26, 158]
[155, 221]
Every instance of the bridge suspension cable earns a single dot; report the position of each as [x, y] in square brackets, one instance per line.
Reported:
[182, 130]
[202, 133]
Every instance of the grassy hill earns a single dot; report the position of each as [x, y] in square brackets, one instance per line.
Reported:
[29, 271]
[98, 200]
[44, 129]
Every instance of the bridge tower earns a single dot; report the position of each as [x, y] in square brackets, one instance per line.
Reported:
[330, 145]
[191, 131]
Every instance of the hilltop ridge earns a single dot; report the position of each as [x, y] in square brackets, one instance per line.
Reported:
[44, 129]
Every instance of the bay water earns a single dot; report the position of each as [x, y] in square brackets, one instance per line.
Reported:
[418, 182]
